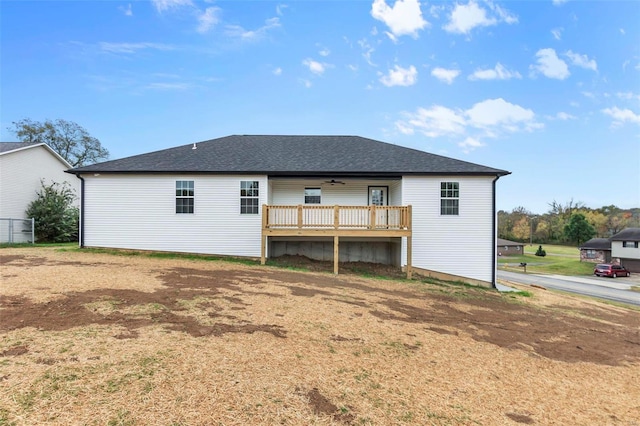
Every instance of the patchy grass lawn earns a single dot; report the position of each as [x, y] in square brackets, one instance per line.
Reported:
[553, 250]
[97, 339]
[560, 260]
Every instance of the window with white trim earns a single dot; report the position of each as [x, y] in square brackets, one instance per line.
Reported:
[630, 244]
[449, 198]
[249, 197]
[185, 196]
[312, 195]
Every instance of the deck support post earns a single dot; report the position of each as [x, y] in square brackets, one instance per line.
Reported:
[336, 253]
[409, 256]
[263, 237]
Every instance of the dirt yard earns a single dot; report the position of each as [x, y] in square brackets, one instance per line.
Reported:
[101, 339]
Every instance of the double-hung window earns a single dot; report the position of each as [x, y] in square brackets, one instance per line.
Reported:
[449, 198]
[249, 197]
[630, 244]
[312, 195]
[184, 196]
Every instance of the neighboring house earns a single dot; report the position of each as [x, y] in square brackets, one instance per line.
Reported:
[625, 247]
[343, 198]
[509, 248]
[596, 250]
[23, 166]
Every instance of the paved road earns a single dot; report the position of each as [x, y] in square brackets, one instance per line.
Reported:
[605, 288]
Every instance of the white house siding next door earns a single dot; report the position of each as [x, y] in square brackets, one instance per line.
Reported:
[460, 245]
[139, 212]
[20, 175]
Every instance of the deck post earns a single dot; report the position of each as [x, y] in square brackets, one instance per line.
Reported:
[263, 237]
[336, 253]
[372, 219]
[409, 258]
[336, 217]
[299, 215]
[409, 242]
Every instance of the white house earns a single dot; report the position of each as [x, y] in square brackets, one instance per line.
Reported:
[328, 197]
[625, 247]
[23, 166]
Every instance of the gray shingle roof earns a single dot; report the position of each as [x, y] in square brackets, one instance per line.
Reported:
[503, 242]
[12, 146]
[291, 156]
[597, 244]
[629, 234]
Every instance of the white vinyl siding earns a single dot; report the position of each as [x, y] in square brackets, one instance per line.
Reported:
[619, 251]
[354, 192]
[138, 212]
[461, 244]
[20, 174]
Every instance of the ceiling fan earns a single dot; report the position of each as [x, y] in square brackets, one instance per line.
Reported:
[334, 182]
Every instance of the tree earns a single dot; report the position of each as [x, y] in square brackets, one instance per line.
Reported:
[578, 230]
[56, 219]
[522, 229]
[67, 138]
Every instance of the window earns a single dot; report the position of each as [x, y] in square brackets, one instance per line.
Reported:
[312, 196]
[249, 197]
[591, 254]
[184, 196]
[630, 244]
[449, 197]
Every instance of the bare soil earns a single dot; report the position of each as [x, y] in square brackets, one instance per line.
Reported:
[93, 338]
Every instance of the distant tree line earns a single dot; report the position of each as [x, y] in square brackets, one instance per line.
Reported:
[570, 223]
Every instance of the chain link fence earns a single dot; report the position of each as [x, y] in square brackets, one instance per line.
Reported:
[17, 231]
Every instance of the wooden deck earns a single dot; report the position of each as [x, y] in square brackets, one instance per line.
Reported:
[336, 221]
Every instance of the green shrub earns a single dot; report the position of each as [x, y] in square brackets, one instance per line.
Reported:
[56, 219]
[540, 252]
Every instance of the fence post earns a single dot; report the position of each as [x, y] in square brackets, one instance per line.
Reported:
[33, 230]
[10, 231]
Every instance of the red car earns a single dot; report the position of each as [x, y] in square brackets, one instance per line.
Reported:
[609, 270]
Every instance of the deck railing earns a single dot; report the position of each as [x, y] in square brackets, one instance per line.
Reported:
[337, 217]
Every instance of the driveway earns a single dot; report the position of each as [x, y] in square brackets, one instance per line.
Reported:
[617, 289]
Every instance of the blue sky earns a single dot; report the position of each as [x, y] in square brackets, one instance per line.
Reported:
[549, 90]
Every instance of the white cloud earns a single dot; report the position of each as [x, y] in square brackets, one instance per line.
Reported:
[489, 118]
[280, 9]
[621, 116]
[306, 83]
[404, 18]
[550, 65]
[208, 19]
[162, 5]
[132, 47]
[433, 122]
[252, 35]
[559, 2]
[465, 17]
[582, 61]
[399, 76]
[315, 67]
[498, 112]
[565, 116]
[367, 50]
[469, 144]
[628, 95]
[127, 10]
[324, 51]
[277, 71]
[168, 86]
[557, 33]
[445, 75]
[499, 72]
